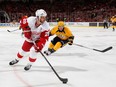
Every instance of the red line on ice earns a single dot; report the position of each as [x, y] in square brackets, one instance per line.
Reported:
[20, 78]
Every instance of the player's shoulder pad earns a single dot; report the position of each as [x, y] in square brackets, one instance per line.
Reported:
[56, 28]
[66, 28]
[46, 25]
[31, 19]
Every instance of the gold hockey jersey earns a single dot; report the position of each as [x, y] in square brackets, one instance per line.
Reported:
[113, 19]
[63, 35]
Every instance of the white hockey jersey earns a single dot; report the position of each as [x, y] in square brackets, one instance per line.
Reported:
[36, 31]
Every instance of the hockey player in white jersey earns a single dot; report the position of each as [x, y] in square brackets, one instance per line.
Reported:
[36, 32]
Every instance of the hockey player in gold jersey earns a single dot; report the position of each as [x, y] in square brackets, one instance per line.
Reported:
[63, 36]
[113, 20]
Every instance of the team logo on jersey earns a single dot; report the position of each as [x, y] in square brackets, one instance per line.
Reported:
[61, 36]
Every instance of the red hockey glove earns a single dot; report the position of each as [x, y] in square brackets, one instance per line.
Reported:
[39, 44]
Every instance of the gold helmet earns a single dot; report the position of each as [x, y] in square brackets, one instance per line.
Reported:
[61, 23]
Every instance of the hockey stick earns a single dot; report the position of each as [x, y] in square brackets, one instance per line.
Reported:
[104, 50]
[64, 80]
[12, 30]
[19, 29]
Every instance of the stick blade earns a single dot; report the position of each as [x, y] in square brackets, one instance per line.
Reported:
[64, 80]
[107, 49]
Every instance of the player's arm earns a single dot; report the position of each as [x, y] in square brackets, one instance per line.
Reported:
[26, 29]
[71, 36]
[70, 40]
[42, 40]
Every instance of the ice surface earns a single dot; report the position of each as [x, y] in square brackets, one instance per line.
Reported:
[83, 67]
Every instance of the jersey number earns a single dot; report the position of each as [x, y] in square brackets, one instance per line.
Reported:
[24, 21]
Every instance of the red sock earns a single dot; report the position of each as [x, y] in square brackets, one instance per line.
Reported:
[19, 56]
[32, 60]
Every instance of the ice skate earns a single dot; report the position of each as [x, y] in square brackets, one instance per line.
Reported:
[47, 52]
[13, 62]
[27, 67]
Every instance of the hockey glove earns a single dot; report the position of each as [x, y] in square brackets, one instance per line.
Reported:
[70, 40]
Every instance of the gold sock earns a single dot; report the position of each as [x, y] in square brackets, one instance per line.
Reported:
[57, 46]
[51, 46]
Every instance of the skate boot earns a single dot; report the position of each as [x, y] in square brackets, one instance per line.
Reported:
[49, 51]
[13, 62]
[27, 67]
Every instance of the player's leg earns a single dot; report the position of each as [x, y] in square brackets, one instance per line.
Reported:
[32, 58]
[25, 48]
[104, 25]
[113, 26]
[57, 46]
[113, 29]
[107, 25]
[51, 45]
[37, 47]
[59, 43]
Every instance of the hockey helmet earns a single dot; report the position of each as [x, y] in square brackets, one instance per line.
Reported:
[40, 13]
[61, 23]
